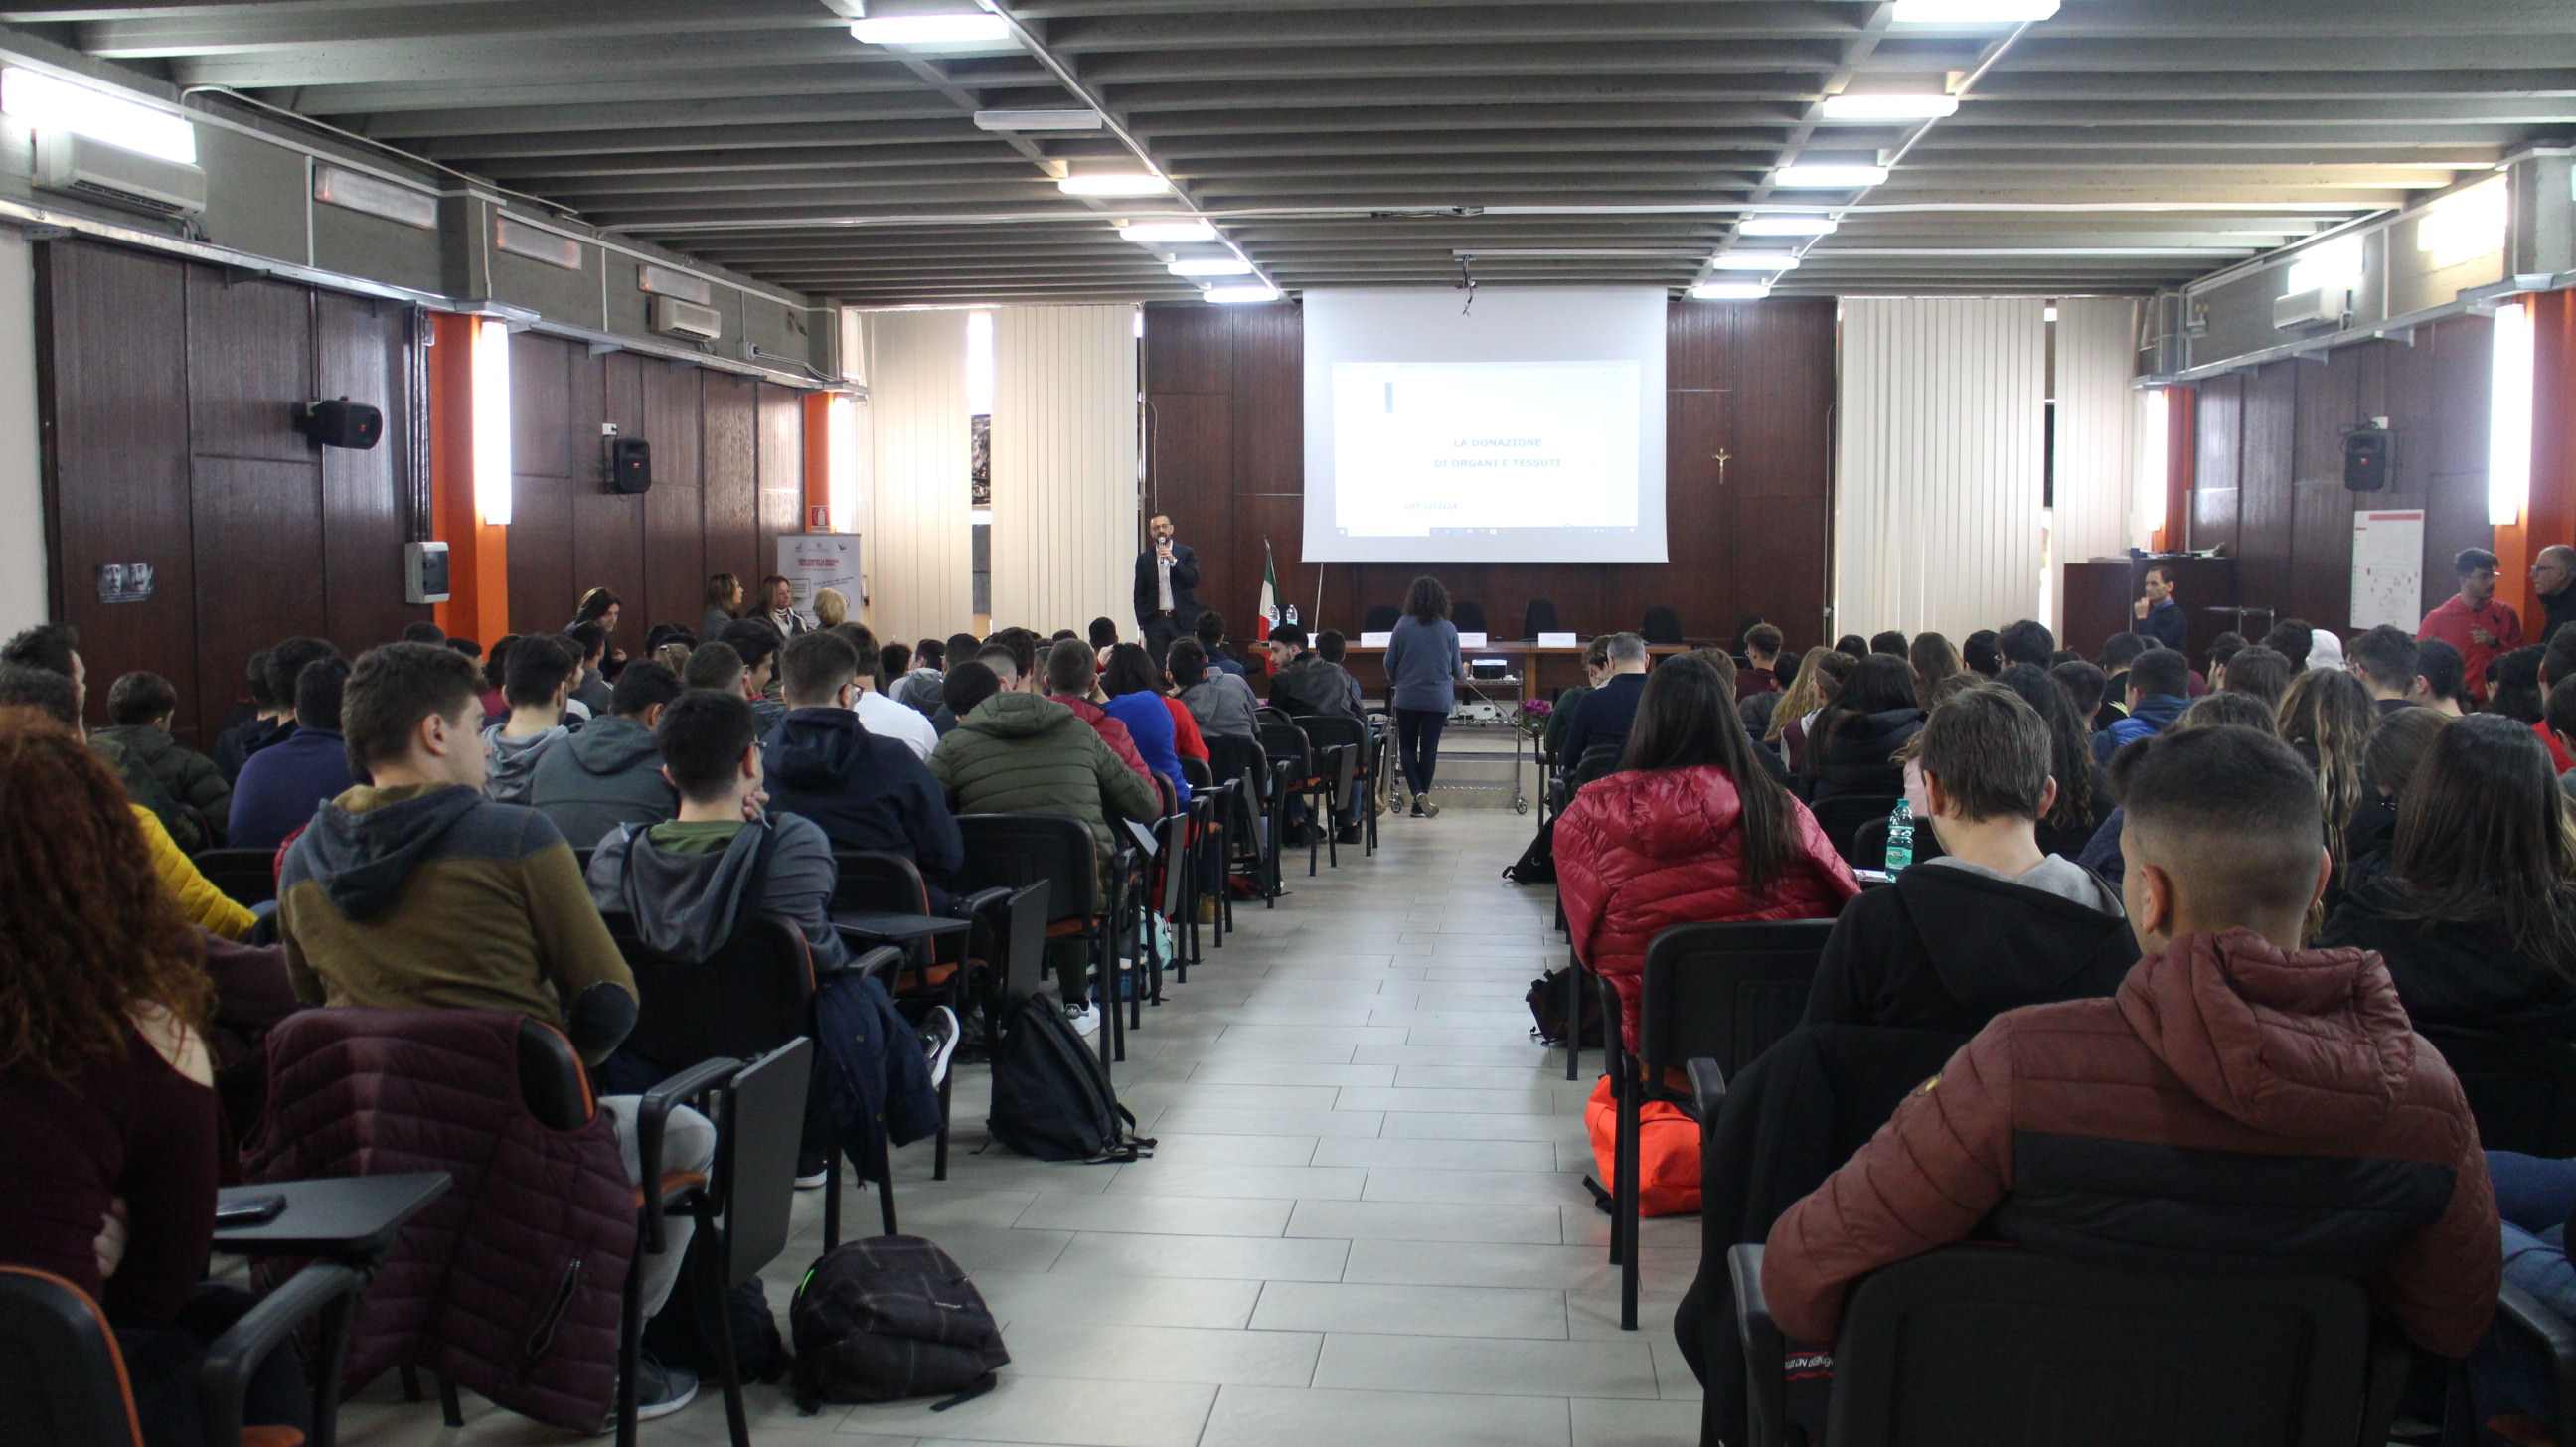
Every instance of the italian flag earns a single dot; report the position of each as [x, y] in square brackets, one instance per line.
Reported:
[1269, 611]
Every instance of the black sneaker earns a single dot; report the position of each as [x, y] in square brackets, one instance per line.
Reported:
[1347, 834]
[661, 1390]
[1417, 808]
[813, 1169]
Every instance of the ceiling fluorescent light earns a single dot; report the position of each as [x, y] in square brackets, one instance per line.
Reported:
[1211, 266]
[1155, 231]
[1038, 120]
[1730, 291]
[1787, 224]
[2464, 225]
[2509, 415]
[1828, 176]
[1242, 293]
[1972, 12]
[44, 101]
[1754, 261]
[1126, 183]
[967, 28]
[1849, 107]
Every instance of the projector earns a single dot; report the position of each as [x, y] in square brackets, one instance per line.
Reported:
[1488, 669]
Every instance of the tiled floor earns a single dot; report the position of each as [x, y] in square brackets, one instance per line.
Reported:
[1364, 1224]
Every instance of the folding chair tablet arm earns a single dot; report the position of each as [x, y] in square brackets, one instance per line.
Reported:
[653, 1114]
[225, 1371]
[1708, 1087]
[1766, 1352]
[2518, 1310]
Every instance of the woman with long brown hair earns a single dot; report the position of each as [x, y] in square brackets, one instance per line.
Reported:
[108, 1115]
[1820, 677]
[1933, 659]
[2327, 716]
[724, 605]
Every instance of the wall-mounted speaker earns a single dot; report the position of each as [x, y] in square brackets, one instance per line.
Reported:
[630, 465]
[339, 422]
[2365, 459]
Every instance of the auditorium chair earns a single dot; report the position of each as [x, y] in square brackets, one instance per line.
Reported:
[1842, 818]
[244, 876]
[1538, 617]
[2521, 1089]
[1350, 754]
[1468, 617]
[1381, 619]
[1011, 851]
[1301, 775]
[1662, 625]
[1213, 809]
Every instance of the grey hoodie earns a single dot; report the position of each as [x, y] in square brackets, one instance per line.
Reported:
[685, 904]
[513, 762]
[608, 774]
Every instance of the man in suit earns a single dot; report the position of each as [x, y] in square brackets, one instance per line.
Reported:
[1165, 573]
[2159, 615]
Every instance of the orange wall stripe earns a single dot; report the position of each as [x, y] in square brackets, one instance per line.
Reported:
[478, 557]
[818, 457]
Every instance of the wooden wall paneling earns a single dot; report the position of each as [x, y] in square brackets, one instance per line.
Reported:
[608, 527]
[782, 471]
[2218, 413]
[2455, 504]
[2321, 507]
[675, 547]
[731, 430]
[113, 355]
[1192, 472]
[1704, 578]
[2263, 526]
[1780, 441]
[544, 420]
[362, 351]
[1189, 347]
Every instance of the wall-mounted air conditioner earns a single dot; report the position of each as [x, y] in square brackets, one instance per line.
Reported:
[2308, 308]
[673, 317]
[115, 176]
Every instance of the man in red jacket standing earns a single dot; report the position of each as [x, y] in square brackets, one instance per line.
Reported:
[2472, 621]
[2240, 1103]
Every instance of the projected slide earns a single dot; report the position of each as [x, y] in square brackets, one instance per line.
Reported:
[1468, 449]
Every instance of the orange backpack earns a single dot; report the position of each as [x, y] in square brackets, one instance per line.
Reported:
[1667, 1151]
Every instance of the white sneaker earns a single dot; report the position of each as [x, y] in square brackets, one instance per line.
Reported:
[1085, 1019]
[939, 1035]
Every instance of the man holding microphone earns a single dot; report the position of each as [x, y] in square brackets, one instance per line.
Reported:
[1165, 573]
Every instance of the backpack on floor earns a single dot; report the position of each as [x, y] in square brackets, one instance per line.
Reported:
[1667, 1151]
[890, 1317]
[1051, 1097]
[1537, 864]
[1546, 999]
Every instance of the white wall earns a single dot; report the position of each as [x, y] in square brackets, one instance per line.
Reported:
[22, 507]
[1064, 466]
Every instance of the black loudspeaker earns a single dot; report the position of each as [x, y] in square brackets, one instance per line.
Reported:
[2365, 459]
[630, 465]
[340, 422]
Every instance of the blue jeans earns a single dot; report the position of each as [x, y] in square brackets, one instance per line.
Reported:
[2535, 1197]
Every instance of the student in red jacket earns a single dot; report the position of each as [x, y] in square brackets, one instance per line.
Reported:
[2241, 1101]
[1692, 831]
[2472, 621]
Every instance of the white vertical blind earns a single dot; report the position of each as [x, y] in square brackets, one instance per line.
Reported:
[1937, 477]
[2096, 452]
[1064, 466]
[922, 583]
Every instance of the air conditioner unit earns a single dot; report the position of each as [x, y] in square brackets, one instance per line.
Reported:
[673, 317]
[118, 177]
[2307, 308]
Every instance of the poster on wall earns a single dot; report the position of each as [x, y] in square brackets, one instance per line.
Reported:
[125, 582]
[811, 562]
[2387, 568]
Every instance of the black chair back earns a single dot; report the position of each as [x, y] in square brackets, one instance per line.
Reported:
[1725, 992]
[1662, 625]
[1869, 843]
[1381, 619]
[1599, 761]
[1195, 771]
[1468, 617]
[2522, 1091]
[1026, 935]
[1539, 617]
[1282, 739]
[62, 1381]
[551, 1078]
[1993, 1347]
[1328, 731]
[1841, 818]
[875, 879]
[747, 998]
[756, 1142]
[244, 876]
[1007, 851]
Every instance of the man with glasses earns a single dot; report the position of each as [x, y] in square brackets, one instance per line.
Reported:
[2553, 582]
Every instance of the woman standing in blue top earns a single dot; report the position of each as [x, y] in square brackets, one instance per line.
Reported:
[1423, 665]
[1135, 689]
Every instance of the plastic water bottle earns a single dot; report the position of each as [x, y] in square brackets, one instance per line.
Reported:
[1900, 837]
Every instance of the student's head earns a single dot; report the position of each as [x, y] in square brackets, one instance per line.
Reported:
[1716, 657]
[2261, 672]
[2476, 570]
[713, 666]
[1933, 660]
[2122, 649]
[540, 673]
[710, 744]
[821, 670]
[2558, 657]
[1627, 653]
[468, 647]
[1210, 630]
[2440, 673]
[423, 632]
[1001, 662]
[92, 934]
[831, 606]
[2228, 710]
[894, 660]
[758, 645]
[1880, 683]
[1426, 601]
[968, 684]
[777, 594]
[2482, 833]
[1062, 635]
[414, 711]
[644, 689]
[319, 693]
[1762, 645]
[1187, 663]
[55, 648]
[40, 691]
[2159, 671]
[2224, 647]
[1023, 645]
[1986, 755]
[1982, 652]
[1103, 633]
[863, 640]
[599, 606]
[1853, 644]
[1890, 641]
[255, 678]
[496, 665]
[2222, 833]
[930, 653]
[2292, 638]
[724, 591]
[957, 648]
[2385, 659]
[2397, 747]
[2070, 749]
[2160, 582]
[1596, 659]
[2513, 685]
[1331, 646]
[1686, 719]
[1071, 668]
[1286, 642]
[590, 641]
[141, 698]
[1131, 670]
[287, 660]
[2027, 641]
[2083, 683]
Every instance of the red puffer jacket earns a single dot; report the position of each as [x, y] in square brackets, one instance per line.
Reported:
[1642, 851]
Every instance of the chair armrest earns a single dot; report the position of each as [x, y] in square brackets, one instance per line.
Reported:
[1708, 1087]
[1766, 1352]
[651, 1115]
[972, 906]
[2523, 1312]
[883, 961]
[223, 1375]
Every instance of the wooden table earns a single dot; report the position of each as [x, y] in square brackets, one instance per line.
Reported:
[1538, 672]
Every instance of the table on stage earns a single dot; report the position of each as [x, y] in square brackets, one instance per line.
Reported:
[1538, 671]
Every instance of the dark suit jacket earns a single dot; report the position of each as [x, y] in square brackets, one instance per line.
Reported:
[1185, 576]
[2168, 625]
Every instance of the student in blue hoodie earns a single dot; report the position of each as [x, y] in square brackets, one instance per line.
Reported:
[610, 773]
[864, 790]
[282, 784]
[2159, 690]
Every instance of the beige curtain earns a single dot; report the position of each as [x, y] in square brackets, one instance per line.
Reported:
[915, 515]
[2096, 443]
[1064, 466]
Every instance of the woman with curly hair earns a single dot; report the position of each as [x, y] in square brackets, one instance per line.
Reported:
[107, 1107]
[2327, 717]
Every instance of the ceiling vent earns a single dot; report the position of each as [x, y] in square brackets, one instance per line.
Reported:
[673, 317]
[2324, 304]
[115, 176]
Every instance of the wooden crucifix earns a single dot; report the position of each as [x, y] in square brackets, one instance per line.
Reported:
[1722, 458]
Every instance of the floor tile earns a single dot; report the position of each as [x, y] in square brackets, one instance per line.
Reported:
[1412, 1221]
[1220, 1071]
[1159, 1215]
[1055, 1410]
[1323, 1183]
[1531, 1099]
[1485, 1263]
[1173, 1354]
[1414, 1310]
[1272, 1417]
[1473, 1126]
[1487, 1366]
[1636, 1424]
[1446, 1154]
[1396, 1183]
[1193, 1120]
[1175, 1148]
[1242, 1258]
[1046, 1299]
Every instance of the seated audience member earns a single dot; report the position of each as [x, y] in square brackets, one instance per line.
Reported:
[2557, 663]
[496, 673]
[2395, 751]
[1210, 632]
[589, 689]
[2084, 683]
[918, 689]
[2476, 912]
[603, 607]
[2238, 710]
[108, 1114]
[714, 666]
[1992, 923]
[1756, 709]
[1070, 680]
[2118, 652]
[1820, 677]
[894, 660]
[1018, 753]
[2439, 678]
[1611, 707]
[2222, 648]
[1853, 645]
[863, 790]
[2558, 721]
[2261, 674]
[267, 720]
[541, 673]
[2240, 1098]
[1135, 690]
[54, 648]
[758, 644]
[1851, 750]
[423, 631]
[49, 695]
[1187, 741]
[283, 784]
[2383, 658]
[2325, 650]
[1691, 830]
[2326, 716]
[831, 607]
[1024, 674]
[1334, 649]
[2158, 690]
[2513, 685]
[417, 892]
[884, 717]
[468, 647]
[139, 710]
[1222, 703]
[2083, 791]
[2293, 639]
[1103, 634]
[1981, 651]
[1301, 682]
[1560, 718]
[1933, 661]
[611, 772]
[2027, 641]
[1891, 641]
[1760, 673]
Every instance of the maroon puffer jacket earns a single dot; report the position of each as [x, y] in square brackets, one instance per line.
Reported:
[510, 1283]
[1641, 851]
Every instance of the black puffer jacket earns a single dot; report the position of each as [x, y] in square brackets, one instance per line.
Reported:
[2464, 975]
[1854, 760]
[1949, 948]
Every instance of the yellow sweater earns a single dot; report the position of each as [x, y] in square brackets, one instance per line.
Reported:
[205, 905]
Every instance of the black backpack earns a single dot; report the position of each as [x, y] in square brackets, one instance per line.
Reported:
[1537, 864]
[891, 1317]
[1546, 999]
[1051, 1098]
